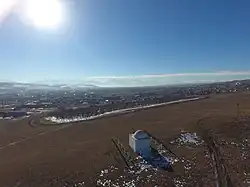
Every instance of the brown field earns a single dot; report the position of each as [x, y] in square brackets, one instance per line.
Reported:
[39, 156]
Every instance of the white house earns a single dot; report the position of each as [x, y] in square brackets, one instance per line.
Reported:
[140, 143]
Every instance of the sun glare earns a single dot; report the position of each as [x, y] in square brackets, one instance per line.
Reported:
[44, 13]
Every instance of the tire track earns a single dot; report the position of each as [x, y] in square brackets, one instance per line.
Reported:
[22, 140]
[221, 171]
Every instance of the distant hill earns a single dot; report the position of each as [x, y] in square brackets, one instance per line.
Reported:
[4, 86]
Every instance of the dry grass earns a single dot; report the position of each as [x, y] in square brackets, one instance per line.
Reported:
[77, 153]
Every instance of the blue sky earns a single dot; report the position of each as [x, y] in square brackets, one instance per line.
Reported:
[132, 42]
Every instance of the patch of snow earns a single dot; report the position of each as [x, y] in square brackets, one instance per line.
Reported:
[247, 181]
[188, 165]
[14, 118]
[8, 118]
[179, 182]
[141, 166]
[172, 160]
[244, 155]
[233, 143]
[141, 173]
[80, 118]
[79, 184]
[188, 138]
[207, 154]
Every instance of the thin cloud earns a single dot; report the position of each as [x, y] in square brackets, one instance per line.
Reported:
[157, 80]
[220, 73]
[167, 79]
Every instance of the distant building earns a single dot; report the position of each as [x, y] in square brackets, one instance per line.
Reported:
[140, 143]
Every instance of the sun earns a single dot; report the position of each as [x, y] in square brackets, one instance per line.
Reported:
[44, 13]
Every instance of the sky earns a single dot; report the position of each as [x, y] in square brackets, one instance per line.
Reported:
[130, 43]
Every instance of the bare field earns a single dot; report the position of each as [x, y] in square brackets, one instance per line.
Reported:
[70, 155]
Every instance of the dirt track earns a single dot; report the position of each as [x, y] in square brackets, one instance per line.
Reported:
[77, 153]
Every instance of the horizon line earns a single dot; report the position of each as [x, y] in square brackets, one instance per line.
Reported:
[145, 80]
